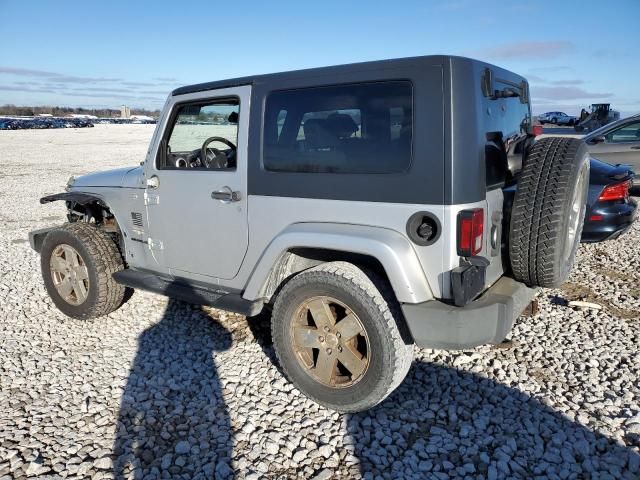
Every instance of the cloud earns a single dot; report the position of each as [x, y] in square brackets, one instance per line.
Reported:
[25, 72]
[526, 50]
[535, 78]
[85, 92]
[58, 77]
[103, 90]
[565, 93]
[11, 88]
[155, 92]
[552, 68]
[567, 82]
[74, 79]
[114, 90]
[532, 77]
[139, 84]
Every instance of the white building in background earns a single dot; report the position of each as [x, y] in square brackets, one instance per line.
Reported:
[125, 112]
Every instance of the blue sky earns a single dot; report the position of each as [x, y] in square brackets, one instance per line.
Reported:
[103, 54]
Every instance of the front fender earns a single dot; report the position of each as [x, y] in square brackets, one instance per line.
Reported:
[391, 249]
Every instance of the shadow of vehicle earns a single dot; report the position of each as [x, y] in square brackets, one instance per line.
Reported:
[173, 422]
[447, 423]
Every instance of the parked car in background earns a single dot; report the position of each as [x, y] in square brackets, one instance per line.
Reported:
[557, 118]
[618, 142]
[610, 209]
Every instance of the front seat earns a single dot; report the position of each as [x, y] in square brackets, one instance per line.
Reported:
[341, 125]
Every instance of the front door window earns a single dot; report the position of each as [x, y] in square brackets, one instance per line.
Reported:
[203, 136]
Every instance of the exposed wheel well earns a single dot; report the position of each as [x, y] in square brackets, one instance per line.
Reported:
[295, 260]
[96, 212]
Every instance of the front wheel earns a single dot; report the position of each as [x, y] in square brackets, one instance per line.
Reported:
[77, 261]
[336, 332]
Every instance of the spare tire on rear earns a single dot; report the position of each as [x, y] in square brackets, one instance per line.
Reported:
[548, 211]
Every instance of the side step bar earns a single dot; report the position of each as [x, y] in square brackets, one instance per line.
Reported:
[188, 292]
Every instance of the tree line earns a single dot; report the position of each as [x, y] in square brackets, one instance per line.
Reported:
[14, 110]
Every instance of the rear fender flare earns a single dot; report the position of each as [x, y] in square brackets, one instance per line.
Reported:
[393, 250]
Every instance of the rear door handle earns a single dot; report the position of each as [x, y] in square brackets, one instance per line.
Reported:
[226, 195]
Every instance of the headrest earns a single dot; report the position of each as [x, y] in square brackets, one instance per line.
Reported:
[233, 117]
[317, 134]
[341, 125]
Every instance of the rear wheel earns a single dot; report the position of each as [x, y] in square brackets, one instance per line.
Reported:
[336, 334]
[548, 211]
[77, 261]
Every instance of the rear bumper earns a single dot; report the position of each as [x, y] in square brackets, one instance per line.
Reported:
[488, 319]
[617, 218]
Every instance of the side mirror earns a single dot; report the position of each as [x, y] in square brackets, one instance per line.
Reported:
[597, 139]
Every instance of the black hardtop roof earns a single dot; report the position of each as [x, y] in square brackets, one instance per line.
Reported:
[335, 70]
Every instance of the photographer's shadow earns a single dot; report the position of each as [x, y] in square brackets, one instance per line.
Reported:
[173, 422]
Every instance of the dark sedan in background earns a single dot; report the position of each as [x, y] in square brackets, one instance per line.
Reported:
[610, 209]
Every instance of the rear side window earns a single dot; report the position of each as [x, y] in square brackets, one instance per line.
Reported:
[355, 128]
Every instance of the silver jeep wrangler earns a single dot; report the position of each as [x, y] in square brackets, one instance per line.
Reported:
[365, 204]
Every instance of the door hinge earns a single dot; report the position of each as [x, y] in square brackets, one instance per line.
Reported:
[154, 244]
[151, 199]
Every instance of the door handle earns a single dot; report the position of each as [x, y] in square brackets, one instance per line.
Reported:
[226, 195]
[635, 147]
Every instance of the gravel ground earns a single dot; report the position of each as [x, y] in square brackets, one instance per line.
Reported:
[161, 389]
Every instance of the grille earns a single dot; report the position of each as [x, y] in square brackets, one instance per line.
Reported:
[136, 219]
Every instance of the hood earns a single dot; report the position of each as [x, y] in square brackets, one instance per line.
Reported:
[128, 177]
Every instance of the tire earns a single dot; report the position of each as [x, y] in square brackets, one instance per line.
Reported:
[548, 211]
[389, 352]
[97, 294]
[554, 121]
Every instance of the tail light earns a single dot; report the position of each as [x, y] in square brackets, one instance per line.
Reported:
[617, 191]
[470, 232]
[536, 130]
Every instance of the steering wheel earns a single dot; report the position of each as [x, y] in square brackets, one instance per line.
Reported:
[219, 160]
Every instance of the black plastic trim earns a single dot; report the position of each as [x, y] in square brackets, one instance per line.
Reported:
[190, 292]
[80, 198]
[414, 223]
[36, 238]
[468, 280]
